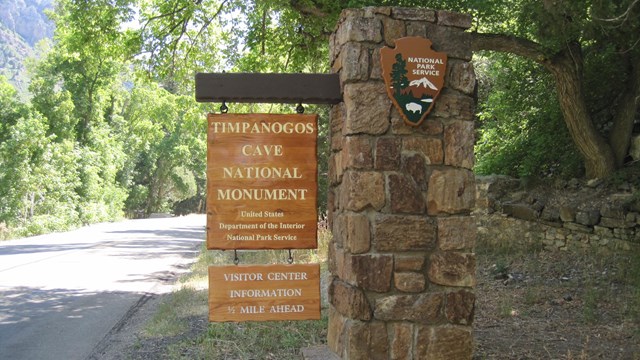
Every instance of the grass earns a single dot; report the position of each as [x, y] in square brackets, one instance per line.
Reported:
[180, 328]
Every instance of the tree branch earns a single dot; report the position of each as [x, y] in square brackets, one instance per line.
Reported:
[509, 44]
[306, 9]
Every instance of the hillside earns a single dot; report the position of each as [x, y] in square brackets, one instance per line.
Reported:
[22, 24]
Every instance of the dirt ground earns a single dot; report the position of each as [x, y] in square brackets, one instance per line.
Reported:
[530, 304]
[543, 305]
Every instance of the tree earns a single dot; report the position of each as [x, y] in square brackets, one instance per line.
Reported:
[399, 75]
[566, 38]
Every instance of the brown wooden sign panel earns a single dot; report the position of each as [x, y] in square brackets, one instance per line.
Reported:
[264, 292]
[414, 75]
[262, 181]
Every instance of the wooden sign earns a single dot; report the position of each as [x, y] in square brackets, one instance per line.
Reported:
[414, 76]
[262, 181]
[264, 292]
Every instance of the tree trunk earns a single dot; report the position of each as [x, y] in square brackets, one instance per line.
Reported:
[620, 136]
[597, 154]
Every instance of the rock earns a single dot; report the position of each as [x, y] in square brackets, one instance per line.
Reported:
[365, 113]
[594, 183]
[409, 282]
[520, 211]
[424, 308]
[568, 213]
[453, 269]
[450, 191]
[404, 195]
[634, 150]
[588, 217]
[444, 343]
[349, 301]
[362, 189]
[404, 233]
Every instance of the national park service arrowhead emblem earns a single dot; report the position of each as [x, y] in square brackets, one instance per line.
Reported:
[414, 76]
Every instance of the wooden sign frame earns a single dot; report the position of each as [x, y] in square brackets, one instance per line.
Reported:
[262, 181]
[264, 292]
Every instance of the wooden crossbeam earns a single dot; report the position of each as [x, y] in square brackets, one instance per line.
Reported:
[268, 88]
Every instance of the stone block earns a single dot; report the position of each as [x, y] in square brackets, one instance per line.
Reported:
[432, 126]
[401, 342]
[409, 282]
[367, 108]
[612, 210]
[461, 76]
[450, 18]
[416, 167]
[550, 214]
[372, 11]
[453, 41]
[454, 105]
[430, 148]
[398, 127]
[372, 272]
[360, 190]
[416, 28]
[337, 116]
[335, 331]
[337, 141]
[634, 150]
[568, 213]
[358, 341]
[352, 63]
[453, 269]
[404, 233]
[376, 66]
[378, 341]
[388, 152]
[422, 308]
[393, 29]
[367, 341]
[338, 264]
[417, 14]
[358, 235]
[331, 205]
[520, 211]
[460, 307]
[577, 227]
[615, 222]
[358, 29]
[443, 343]
[456, 233]
[405, 196]
[349, 301]
[339, 230]
[450, 191]
[408, 262]
[459, 140]
[358, 153]
[336, 168]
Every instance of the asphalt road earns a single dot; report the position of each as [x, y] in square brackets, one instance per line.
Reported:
[63, 295]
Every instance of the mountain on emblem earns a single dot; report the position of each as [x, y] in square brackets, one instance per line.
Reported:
[414, 76]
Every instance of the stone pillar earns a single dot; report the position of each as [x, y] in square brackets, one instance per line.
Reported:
[401, 259]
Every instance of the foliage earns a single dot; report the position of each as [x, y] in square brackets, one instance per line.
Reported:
[112, 126]
[519, 125]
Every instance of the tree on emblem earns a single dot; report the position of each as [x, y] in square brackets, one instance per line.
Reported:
[399, 75]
